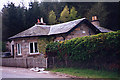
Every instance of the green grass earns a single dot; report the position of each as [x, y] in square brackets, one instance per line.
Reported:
[87, 73]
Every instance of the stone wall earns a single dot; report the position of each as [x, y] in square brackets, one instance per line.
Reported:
[28, 62]
[24, 45]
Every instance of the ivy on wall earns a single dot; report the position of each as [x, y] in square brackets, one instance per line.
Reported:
[42, 43]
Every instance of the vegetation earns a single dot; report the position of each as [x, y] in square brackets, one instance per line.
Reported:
[64, 16]
[42, 43]
[24, 18]
[97, 10]
[100, 51]
[52, 17]
[87, 73]
[73, 13]
[2, 46]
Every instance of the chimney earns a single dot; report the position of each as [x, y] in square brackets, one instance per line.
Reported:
[40, 22]
[95, 21]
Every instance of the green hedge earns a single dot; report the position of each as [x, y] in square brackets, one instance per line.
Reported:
[103, 47]
[2, 46]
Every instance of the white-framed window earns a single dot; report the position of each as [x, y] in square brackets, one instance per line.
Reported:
[12, 49]
[19, 49]
[33, 48]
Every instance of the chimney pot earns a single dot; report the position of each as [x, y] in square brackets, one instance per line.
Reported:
[38, 21]
[42, 20]
[95, 21]
[93, 18]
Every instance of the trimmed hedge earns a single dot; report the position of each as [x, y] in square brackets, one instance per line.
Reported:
[100, 48]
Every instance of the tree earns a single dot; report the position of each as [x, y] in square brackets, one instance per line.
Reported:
[52, 17]
[73, 13]
[12, 20]
[33, 13]
[99, 10]
[64, 16]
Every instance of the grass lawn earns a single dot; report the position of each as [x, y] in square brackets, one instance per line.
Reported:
[87, 73]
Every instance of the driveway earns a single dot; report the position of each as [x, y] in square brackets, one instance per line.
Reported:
[13, 72]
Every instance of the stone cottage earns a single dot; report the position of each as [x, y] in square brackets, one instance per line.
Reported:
[24, 44]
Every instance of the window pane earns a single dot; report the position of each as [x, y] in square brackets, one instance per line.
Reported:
[31, 47]
[13, 50]
[36, 50]
[18, 48]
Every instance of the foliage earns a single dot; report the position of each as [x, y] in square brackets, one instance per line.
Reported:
[97, 10]
[52, 17]
[42, 43]
[99, 49]
[87, 73]
[12, 16]
[73, 13]
[2, 46]
[64, 16]
[25, 18]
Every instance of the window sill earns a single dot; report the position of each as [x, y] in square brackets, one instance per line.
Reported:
[32, 54]
[18, 55]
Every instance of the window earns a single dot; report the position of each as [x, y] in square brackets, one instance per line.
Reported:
[18, 49]
[89, 32]
[12, 50]
[33, 47]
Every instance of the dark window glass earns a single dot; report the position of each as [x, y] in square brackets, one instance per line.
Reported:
[35, 45]
[31, 47]
[13, 50]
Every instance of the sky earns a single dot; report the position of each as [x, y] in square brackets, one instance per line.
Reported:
[17, 2]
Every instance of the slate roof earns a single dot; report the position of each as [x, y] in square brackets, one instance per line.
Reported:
[40, 30]
[36, 30]
[102, 29]
[64, 27]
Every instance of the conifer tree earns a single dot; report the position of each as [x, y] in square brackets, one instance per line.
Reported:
[64, 16]
[73, 13]
[98, 10]
[52, 17]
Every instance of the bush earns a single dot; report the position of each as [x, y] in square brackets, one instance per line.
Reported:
[103, 48]
[2, 46]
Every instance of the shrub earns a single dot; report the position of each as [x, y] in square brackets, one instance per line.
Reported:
[102, 48]
[2, 46]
